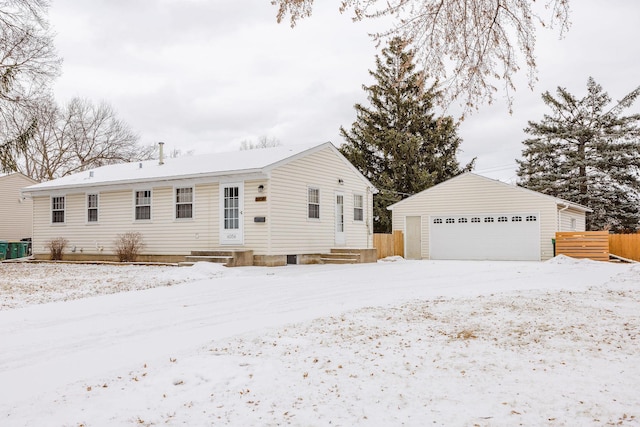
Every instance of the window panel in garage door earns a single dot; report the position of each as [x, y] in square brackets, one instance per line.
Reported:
[499, 236]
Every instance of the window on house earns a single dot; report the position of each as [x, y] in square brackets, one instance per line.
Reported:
[313, 200]
[462, 220]
[488, 219]
[57, 209]
[503, 219]
[184, 203]
[143, 204]
[450, 220]
[92, 208]
[358, 207]
[532, 218]
[475, 219]
[573, 224]
[516, 218]
[437, 221]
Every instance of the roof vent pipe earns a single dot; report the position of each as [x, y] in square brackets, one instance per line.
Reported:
[161, 150]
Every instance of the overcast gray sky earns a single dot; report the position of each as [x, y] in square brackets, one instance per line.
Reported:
[204, 75]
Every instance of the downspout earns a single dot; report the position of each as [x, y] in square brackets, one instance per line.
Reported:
[566, 206]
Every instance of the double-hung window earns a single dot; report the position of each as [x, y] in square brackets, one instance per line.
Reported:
[143, 205]
[313, 201]
[358, 207]
[184, 203]
[57, 209]
[92, 208]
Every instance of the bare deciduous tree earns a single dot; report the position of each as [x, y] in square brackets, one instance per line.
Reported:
[64, 141]
[94, 136]
[263, 142]
[28, 62]
[470, 46]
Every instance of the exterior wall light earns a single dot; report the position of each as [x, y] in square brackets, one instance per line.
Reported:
[260, 188]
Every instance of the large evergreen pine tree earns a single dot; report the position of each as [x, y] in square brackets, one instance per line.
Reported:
[587, 153]
[397, 143]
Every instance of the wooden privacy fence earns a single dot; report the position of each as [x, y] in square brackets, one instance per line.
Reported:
[583, 244]
[389, 244]
[625, 245]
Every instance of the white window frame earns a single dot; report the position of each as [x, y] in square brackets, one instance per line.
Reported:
[95, 208]
[136, 206]
[310, 203]
[178, 203]
[357, 208]
[63, 209]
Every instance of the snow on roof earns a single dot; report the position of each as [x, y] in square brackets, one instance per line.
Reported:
[557, 200]
[214, 164]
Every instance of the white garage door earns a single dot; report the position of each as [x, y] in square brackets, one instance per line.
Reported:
[485, 237]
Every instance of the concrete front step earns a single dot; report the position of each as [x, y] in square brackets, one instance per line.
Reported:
[230, 258]
[208, 258]
[228, 254]
[340, 258]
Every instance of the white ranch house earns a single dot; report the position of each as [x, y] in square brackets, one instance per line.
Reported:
[269, 206]
[15, 210]
[471, 217]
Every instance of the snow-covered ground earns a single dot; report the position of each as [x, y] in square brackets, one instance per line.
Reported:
[399, 342]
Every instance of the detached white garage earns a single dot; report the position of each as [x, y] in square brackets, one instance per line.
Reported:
[471, 217]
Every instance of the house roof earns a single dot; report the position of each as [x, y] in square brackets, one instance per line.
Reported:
[242, 162]
[557, 200]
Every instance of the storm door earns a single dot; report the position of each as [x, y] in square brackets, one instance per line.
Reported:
[231, 214]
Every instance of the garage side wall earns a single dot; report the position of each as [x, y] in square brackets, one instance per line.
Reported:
[571, 220]
[471, 194]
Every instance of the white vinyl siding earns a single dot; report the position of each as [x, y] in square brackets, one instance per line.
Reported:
[16, 211]
[570, 220]
[292, 232]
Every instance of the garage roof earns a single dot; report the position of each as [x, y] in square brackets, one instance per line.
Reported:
[557, 200]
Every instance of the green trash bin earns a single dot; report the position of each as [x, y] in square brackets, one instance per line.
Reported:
[23, 249]
[13, 250]
[4, 247]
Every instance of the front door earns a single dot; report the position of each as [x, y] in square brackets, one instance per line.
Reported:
[340, 236]
[231, 214]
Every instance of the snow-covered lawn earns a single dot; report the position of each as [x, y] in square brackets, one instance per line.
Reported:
[409, 343]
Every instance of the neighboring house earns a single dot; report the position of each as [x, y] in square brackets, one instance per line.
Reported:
[15, 210]
[285, 204]
[471, 217]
